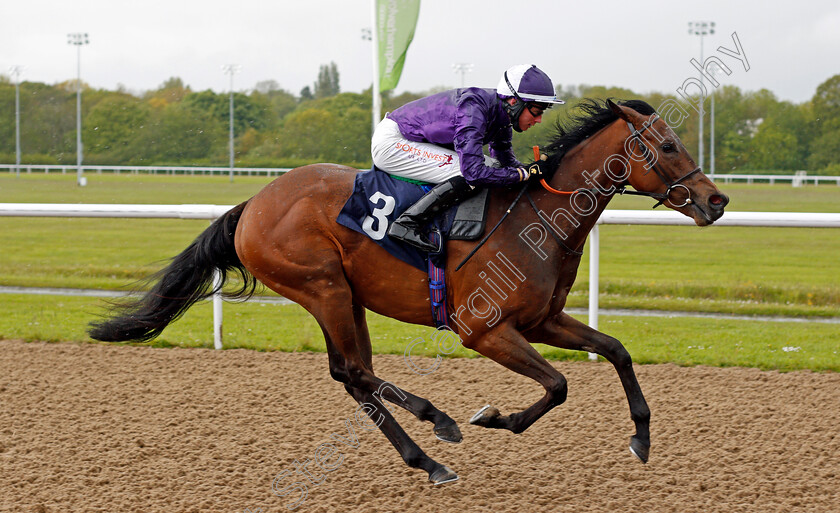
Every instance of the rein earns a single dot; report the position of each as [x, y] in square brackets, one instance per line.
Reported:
[486, 237]
[552, 230]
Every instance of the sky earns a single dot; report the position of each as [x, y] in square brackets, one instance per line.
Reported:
[643, 45]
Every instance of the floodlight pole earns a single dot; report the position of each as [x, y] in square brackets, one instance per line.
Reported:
[16, 71]
[373, 37]
[713, 71]
[463, 68]
[701, 28]
[231, 69]
[78, 39]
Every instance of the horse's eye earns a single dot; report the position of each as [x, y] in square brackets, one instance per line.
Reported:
[668, 148]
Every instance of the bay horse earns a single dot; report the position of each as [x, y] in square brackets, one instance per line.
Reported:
[286, 237]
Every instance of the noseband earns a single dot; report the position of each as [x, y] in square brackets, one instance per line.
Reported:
[662, 197]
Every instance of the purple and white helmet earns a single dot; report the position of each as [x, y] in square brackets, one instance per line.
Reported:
[528, 83]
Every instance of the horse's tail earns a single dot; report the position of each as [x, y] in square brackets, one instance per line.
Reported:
[186, 280]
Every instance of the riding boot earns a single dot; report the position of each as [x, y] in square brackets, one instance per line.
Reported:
[408, 226]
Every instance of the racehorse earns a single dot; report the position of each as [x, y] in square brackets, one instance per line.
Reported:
[287, 238]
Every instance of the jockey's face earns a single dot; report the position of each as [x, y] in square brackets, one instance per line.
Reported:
[527, 119]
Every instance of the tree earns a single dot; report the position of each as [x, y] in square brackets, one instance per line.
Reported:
[246, 112]
[327, 84]
[334, 129]
[783, 139]
[273, 101]
[179, 133]
[48, 120]
[172, 90]
[266, 87]
[825, 147]
[774, 148]
[826, 100]
[306, 94]
[7, 115]
[113, 124]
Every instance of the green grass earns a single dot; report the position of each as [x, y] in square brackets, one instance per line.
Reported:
[263, 327]
[146, 189]
[104, 253]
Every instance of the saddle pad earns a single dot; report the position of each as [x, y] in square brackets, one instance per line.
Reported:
[378, 199]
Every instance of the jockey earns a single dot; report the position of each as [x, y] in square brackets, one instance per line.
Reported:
[439, 139]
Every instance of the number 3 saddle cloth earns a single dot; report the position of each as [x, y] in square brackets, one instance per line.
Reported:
[379, 198]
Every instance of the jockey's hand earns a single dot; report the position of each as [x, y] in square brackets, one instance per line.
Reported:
[534, 170]
[537, 169]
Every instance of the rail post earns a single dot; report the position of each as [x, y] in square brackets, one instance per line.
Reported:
[217, 309]
[594, 257]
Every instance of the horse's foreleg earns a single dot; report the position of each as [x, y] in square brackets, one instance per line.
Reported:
[568, 333]
[505, 345]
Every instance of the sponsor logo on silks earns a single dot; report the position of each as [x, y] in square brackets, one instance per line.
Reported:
[424, 155]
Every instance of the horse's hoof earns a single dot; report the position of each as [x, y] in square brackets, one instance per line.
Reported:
[639, 449]
[449, 434]
[485, 415]
[443, 475]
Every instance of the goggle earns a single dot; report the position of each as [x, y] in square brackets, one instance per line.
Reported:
[536, 110]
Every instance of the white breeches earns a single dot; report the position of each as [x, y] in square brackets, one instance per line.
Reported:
[397, 155]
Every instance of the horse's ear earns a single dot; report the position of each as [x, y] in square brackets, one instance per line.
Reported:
[618, 110]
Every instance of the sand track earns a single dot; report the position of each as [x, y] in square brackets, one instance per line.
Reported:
[87, 427]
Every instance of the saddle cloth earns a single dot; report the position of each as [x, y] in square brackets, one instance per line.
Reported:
[378, 199]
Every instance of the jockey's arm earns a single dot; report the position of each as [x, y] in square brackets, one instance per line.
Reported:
[471, 125]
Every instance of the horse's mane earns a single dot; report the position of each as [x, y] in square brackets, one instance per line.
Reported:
[592, 116]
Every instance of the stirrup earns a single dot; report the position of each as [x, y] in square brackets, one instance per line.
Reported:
[413, 237]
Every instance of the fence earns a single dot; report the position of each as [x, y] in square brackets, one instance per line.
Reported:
[800, 178]
[627, 217]
[146, 170]
[797, 180]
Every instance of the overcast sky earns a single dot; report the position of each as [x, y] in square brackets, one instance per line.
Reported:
[644, 45]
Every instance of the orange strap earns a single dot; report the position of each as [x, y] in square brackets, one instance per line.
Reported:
[542, 180]
[552, 190]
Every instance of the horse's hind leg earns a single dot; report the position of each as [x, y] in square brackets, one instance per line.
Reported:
[410, 451]
[312, 275]
[568, 333]
[350, 363]
[446, 429]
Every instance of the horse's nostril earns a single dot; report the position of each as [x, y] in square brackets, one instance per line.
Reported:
[718, 201]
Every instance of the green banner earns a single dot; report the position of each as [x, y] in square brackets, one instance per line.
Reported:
[396, 20]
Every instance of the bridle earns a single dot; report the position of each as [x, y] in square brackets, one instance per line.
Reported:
[662, 197]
